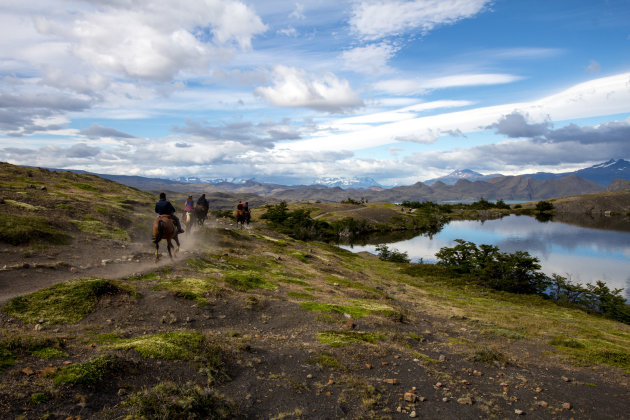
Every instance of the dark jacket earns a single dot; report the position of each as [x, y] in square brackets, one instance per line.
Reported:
[164, 207]
[202, 201]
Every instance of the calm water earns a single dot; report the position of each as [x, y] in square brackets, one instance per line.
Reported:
[583, 255]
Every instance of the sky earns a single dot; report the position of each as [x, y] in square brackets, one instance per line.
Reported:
[290, 92]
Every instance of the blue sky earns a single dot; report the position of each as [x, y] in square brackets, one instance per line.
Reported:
[292, 91]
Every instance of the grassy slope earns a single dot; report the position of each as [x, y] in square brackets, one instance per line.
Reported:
[52, 207]
[258, 289]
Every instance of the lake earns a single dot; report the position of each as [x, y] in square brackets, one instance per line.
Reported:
[583, 255]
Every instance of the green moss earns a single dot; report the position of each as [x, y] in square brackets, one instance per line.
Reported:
[503, 332]
[7, 358]
[344, 338]
[180, 401]
[100, 229]
[566, 342]
[191, 288]
[488, 356]
[39, 397]
[91, 372]
[298, 295]
[170, 345]
[353, 285]
[17, 230]
[424, 357]
[24, 206]
[62, 303]
[248, 280]
[326, 360]
[49, 353]
[356, 308]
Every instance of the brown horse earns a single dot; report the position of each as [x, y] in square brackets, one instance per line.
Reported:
[242, 216]
[164, 228]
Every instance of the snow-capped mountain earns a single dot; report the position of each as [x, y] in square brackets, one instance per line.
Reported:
[455, 176]
[203, 180]
[342, 182]
[602, 173]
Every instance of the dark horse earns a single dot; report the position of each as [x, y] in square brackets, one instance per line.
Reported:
[164, 228]
[201, 214]
[242, 216]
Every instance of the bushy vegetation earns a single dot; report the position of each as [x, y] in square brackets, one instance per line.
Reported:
[544, 206]
[386, 254]
[481, 204]
[300, 225]
[518, 272]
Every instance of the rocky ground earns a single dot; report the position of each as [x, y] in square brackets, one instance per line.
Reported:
[249, 323]
[428, 365]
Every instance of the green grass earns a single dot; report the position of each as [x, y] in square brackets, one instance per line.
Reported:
[354, 285]
[191, 288]
[326, 360]
[101, 230]
[49, 353]
[355, 308]
[169, 400]
[344, 338]
[62, 303]
[169, 345]
[299, 295]
[20, 230]
[91, 372]
[248, 280]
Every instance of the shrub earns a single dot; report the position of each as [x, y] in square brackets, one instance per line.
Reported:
[385, 254]
[544, 206]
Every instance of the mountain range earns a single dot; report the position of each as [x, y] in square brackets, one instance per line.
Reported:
[608, 176]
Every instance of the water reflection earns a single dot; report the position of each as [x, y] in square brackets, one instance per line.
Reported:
[582, 254]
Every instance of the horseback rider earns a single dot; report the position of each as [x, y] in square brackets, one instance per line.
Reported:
[239, 206]
[246, 206]
[165, 207]
[203, 202]
[189, 205]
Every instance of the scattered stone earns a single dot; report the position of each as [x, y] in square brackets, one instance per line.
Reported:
[543, 404]
[368, 366]
[567, 406]
[331, 382]
[393, 381]
[439, 385]
[38, 327]
[413, 414]
[477, 373]
[121, 392]
[465, 401]
[422, 399]
[384, 363]
[309, 376]
[442, 358]
[27, 371]
[538, 389]
[504, 384]
[519, 412]
[445, 399]
[565, 379]
[410, 397]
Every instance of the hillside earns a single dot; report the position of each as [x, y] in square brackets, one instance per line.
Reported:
[250, 323]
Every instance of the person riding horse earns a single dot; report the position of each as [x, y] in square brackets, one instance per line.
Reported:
[201, 209]
[165, 207]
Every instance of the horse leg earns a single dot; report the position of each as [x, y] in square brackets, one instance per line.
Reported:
[177, 242]
[157, 251]
[169, 246]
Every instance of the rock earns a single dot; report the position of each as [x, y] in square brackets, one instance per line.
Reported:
[477, 373]
[465, 401]
[519, 412]
[538, 389]
[38, 327]
[442, 358]
[121, 392]
[439, 385]
[566, 406]
[543, 404]
[27, 371]
[565, 379]
[422, 399]
[413, 414]
[393, 381]
[410, 397]
[309, 376]
[445, 399]
[368, 366]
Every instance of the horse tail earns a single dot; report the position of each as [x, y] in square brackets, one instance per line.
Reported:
[160, 232]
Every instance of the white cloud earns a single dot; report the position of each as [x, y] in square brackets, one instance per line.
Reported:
[293, 87]
[376, 19]
[151, 39]
[371, 59]
[605, 96]
[419, 86]
[593, 67]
